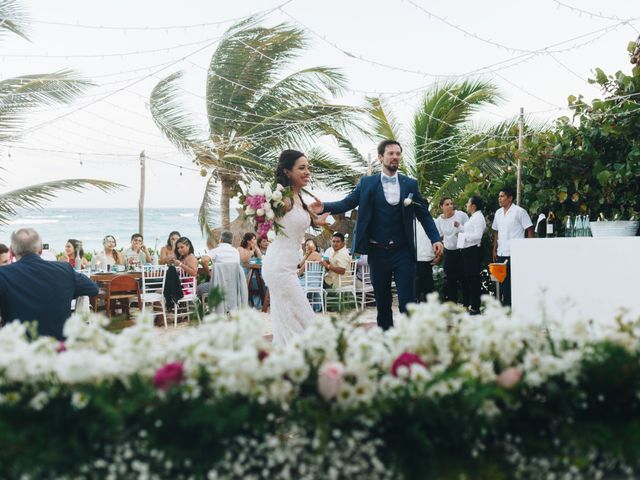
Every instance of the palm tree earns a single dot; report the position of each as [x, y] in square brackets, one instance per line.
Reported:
[254, 112]
[18, 96]
[441, 145]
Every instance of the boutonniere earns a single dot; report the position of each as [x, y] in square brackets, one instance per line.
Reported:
[409, 200]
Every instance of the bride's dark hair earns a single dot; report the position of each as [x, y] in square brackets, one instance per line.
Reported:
[286, 161]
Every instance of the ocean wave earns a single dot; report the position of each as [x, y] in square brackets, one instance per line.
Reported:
[187, 214]
[33, 221]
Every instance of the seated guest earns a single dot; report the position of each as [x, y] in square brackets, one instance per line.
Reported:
[223, 253]
[34, 289]
[106, 259]
[138, 254]
[167, 252]
[472, 231]
[263, 244]
[73, 249]
[185, 257]
[248, 249]
[4, 255]
[311, 254]
[338, 262]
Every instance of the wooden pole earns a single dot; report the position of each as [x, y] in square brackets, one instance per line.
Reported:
[520, 151]
[141, 199]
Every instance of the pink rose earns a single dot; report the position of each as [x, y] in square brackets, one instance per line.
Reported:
[262, 354]
[256, 201]
[509, 378]
[406, 359]
[168, 375]
[330, 379]
[61, 347]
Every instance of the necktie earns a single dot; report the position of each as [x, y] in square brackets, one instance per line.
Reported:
[391, 180]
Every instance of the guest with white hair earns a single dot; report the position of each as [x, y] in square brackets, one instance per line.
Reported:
[34, 289]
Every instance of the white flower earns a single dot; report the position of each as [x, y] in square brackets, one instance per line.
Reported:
[260, 212]
[407, 202]
[249, 211]
[266, 207]
[279, 188]
[255, 188]
[271, 235]
[277, 195]
[270, 215]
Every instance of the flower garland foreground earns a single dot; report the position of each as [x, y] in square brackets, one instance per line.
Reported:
[442, 395]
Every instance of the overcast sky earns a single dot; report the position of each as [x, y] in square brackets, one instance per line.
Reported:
[538, 52]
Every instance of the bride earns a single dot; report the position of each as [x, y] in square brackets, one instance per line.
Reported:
[291, 312]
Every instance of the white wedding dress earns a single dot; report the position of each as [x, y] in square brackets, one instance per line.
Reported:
[291, 312]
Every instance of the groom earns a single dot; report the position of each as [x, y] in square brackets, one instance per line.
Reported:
[387, 203]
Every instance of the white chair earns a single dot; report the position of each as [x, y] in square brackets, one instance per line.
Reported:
[152, 286]
[346, 286]
[189, 297]
[364, 287]
[313, 277]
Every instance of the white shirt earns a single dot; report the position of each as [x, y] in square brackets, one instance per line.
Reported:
[510, 225]
[391, 190]
[224, 253]
[448, 231]
[473, 230]
[424, 249]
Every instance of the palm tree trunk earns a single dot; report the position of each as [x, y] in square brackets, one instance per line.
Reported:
[225, 197]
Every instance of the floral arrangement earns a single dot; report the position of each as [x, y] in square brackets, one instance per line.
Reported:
[441, 395]
[263, 204]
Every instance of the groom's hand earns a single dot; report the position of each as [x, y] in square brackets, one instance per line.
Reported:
[316, 206]
[322, 219]
[438, 248]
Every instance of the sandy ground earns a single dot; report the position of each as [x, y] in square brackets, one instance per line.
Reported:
[367, 318]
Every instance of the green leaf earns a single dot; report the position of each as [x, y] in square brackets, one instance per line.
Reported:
[603, 177]
[601, 77]
[631, 47]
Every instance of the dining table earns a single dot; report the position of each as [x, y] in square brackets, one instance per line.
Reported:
[104, 279]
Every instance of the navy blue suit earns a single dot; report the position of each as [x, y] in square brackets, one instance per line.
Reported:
[36, 289]
[386, 234]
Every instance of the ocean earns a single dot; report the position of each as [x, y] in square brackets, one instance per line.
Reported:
[90, 225]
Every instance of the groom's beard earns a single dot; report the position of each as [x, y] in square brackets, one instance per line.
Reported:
[392, 167]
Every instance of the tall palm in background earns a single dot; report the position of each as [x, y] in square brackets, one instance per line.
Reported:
[441, 146]
[254, 112]
[18, 96]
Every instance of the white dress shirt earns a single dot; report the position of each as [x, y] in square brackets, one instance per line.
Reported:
[391, 190]
[447, 231]
[224, 253]
[509, 225]
[424, 247]
[473, 230]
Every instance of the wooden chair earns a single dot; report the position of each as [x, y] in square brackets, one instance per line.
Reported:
[121, 289]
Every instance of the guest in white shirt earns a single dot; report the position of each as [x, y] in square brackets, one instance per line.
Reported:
[511, 222]
[223, 253]
[426, 259]
[453, 266]
[469, 238]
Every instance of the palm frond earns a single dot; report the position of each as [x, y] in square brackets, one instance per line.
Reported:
[332, 173]
[34, 195]
[437, 128]
[385, 126]
[13, 18]
[18, 95]
[208, 205]
[171, 117]
[246, 61]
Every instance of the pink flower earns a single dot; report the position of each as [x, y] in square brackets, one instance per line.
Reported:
[509, 378]
[264, 228]
[168, 375]
[262, 354]
[406, 359]
[256, 201]
[61, 347]
[330, 379]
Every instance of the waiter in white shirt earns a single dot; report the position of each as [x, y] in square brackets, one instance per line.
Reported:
[453, 267]
[426, 259]
[469, 240]
[511, 221]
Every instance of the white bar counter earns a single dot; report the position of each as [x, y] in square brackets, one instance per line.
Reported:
[592, 278]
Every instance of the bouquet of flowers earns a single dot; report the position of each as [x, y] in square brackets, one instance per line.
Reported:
[263, 205]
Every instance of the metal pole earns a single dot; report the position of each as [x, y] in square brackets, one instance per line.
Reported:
[520, 150]
[141, 199]
[369, 169]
